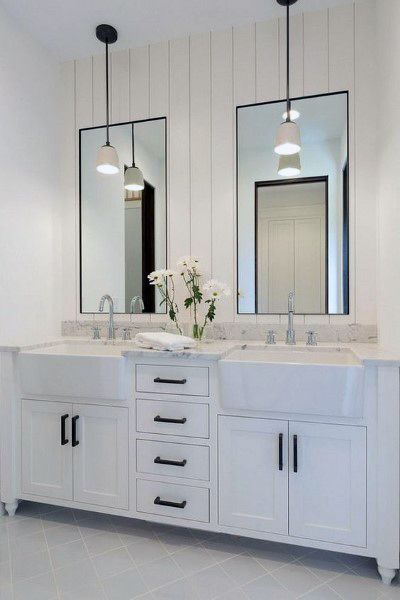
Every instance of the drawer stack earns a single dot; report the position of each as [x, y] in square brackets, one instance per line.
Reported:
[172, 445]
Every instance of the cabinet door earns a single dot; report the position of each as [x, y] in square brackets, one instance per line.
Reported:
[101, 456]
[253, 485]
[327, 494]
[46, 462]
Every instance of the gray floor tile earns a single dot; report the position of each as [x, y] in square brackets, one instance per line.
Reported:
[35, 564]
[113, 562]
[296, 578]
[237, 594]
[193, 559]
[125, 586]
[352, 587]
[87, 592]
[178, 590]
[324, 568]
[175, 538]
[4, 551]
[71, 577]
[222, 548]
[94, 525]
[102, 542]
[42, 587]
[211, 583]
[31, 544]
[266, 587]
[6, 592]
[20, 528]
[322, 593]
[64, 516]
[66, 554]
[242, 569]
[160, 572]
[62, 535]
[143, 551]
[269, 557]
[5, 573]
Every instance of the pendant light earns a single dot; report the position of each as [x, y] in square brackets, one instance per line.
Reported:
[289, 165]
[288, 135]
[107, 158]
[133, 175]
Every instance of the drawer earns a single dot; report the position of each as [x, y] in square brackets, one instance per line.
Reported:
[172, 418]
[189, 381]
[188, 460]
[172, 500]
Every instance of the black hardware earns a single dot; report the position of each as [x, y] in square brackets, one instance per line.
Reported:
[175, 381]
[64, 440]
[281, 451]
[167, 503]
[173, 463]
[108, 35]
[295, 453]
[75, 442]
[159, 419]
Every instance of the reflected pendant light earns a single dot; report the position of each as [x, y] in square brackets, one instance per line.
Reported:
[289, 165]
[133, 175]
[288, 136]
[107, 158]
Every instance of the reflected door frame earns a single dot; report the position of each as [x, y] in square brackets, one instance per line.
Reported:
[280, 182]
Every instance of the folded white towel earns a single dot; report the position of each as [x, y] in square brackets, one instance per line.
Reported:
[164, 341]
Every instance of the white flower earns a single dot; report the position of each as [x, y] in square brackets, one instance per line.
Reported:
[189, 263]
[158, 277]
[214, 290]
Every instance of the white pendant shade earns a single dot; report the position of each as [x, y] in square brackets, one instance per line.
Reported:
[287, 139]
[289, 166]
[294, 114]
[134, 179]
[107, 160]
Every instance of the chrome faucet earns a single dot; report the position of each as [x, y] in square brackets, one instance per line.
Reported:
[134, 301]
[111, 326]
[290, 332]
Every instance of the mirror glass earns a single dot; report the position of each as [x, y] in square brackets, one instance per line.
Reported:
[293, 231]
[123, 233]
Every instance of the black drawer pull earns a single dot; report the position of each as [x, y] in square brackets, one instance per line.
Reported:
[75, 442]
[174, 381]
[168, 503]
[281, 451]
[159, 419]
[295, 453]
[64, 440]
[173, 463]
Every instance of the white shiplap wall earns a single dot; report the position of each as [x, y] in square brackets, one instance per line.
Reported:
[197, 82]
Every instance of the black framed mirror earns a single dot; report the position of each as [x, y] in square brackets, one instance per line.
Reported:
[293, 230]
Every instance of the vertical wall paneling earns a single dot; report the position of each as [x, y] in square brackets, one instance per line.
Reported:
[99, 89]
[316, 79]
[120, 88]
[159, 79]
[222, 143]
[341, 77]
[179, 152]
[365, 115]
[139, 83]
[296, 55]
[200, 149]
[68, 205]
[267, 61]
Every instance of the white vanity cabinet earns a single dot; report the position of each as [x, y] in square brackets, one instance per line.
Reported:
[75, 452]
[306, 480]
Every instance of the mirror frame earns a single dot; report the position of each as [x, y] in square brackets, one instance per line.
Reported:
[80, 202]
[346, 210]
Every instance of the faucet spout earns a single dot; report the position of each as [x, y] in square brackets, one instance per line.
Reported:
[111, 326]
[290, 332]
[136, 300]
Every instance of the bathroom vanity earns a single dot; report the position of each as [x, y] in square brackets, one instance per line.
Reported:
[291, 444]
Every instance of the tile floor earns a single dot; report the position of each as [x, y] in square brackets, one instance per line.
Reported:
[48, 553]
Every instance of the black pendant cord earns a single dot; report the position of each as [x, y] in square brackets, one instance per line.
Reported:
[107, 100]
[287, 63]
[133, 145]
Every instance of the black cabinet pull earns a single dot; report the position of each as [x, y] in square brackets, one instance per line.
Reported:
[173, 463]
[168, 503]
[175, 381]
[159, 419]
[281, 451]
[75, 442]
[295, 453]
[64, 440]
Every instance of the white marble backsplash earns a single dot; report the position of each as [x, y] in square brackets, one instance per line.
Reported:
[349, 333]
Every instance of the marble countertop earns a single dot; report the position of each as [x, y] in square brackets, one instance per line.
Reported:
[210, 349]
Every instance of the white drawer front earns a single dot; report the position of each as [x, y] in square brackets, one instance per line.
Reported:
[188, 460]
[190, 381]
[191, 502]
[172, 418]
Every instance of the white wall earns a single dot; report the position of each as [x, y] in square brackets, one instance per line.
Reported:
[388, 159]
[197, 82]
[30, 190]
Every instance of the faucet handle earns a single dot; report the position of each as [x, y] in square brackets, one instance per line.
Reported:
[96, 332]
[271, 336]
[126, 334]
[311, 338]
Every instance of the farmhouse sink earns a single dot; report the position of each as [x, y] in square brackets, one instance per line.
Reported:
[302, 380]
[74, 369]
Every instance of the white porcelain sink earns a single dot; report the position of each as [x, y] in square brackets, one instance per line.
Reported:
[74, 369]
[317, 381]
